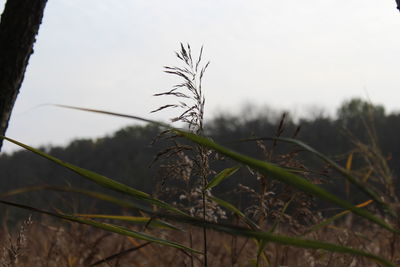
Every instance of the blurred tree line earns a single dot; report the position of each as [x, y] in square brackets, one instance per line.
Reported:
[128, 154]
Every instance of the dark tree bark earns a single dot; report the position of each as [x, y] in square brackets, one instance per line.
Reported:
[398, 4]
[19, 26]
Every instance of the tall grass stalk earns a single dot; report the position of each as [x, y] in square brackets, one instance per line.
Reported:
[192, 104]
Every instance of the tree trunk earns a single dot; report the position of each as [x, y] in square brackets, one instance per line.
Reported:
[19, 26]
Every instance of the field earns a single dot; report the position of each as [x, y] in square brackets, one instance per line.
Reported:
[182, 223]
[53, 244]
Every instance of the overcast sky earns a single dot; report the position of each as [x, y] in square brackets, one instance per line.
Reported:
[287, 54]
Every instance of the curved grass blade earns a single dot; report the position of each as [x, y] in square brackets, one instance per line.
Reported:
[226, 173]
[261, 245]
[280, 239]
[335, 217]
[100, 196]
[134, 219]
[285, 207]
[115, 114]
[100, 179]
[344, 171]
[349, 161]
[119, 254]
[234, 210]
[284, 176]
[105, 226]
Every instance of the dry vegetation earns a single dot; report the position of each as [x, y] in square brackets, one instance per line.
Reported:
[63, 244]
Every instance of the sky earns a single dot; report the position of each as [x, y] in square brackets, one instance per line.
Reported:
[302, 56]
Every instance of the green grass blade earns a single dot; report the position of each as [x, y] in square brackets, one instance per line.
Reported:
[134, 219]
[345, 172]
[105, 226]
[277, 220]
[100, 196]
[115, 114]
[119, 254]
[263, 244]
[310, 244]
[333, 218]
[234, 210]
[286, 177]
[280, 239]
[100, 179]
[226, 173]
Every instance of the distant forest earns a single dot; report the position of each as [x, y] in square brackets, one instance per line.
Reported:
[129, 154]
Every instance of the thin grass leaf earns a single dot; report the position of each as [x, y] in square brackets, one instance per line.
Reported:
[114, 114]
[285, 207]
[100, 179]
[134, 219]
[306, 244]
[100, 196]
[226, 173]
[105, 226]
[360, 185]
[335, 217]
[280, 239]
[261, 245]
[266, 259]
[234, 210]
[119, 254]
[286, 177]
[367, 175]
[349, 161]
